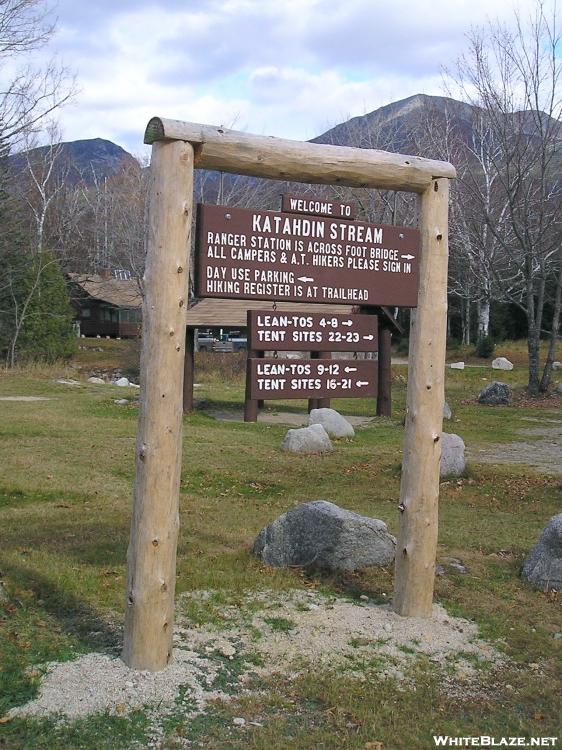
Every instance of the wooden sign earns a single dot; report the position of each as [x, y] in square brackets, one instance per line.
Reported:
[312, 378]
[294, 204]
[312, 332]
[247, 254]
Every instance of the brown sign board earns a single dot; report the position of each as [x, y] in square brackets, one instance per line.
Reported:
[274, 330]
[295, 204]
[312, 378]
[268, 255]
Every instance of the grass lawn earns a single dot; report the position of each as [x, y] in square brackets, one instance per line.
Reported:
[66, 473]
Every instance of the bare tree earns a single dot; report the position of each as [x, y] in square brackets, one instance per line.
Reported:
[27, 94]
[512, 78]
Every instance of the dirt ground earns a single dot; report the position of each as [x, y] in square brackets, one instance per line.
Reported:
[543, 453]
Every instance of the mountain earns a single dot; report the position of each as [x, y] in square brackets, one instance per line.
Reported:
[88, 160]
[399, 125]
[407, 126]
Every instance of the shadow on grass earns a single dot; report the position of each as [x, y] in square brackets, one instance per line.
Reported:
[76, 618]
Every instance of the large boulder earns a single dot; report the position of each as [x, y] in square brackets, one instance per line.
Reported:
[332, 421]
[501, 363]
[543, 566]
[494, 394]
[453, 462]
[312, 439]
[323, 535]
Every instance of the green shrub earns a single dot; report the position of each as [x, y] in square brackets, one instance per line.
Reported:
[484, 347]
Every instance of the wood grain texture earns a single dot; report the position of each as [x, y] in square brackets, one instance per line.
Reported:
[419, 490]
[280, 159]
[151, 556]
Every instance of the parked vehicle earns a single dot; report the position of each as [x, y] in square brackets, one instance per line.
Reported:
[231, 344]
[206, 341]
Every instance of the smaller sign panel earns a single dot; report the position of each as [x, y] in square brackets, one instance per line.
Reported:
[294, 204]
[312, 378]
[311, 332]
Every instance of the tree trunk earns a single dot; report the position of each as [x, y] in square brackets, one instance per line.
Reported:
[533, 342]
[416, 543]
[547, 372]
[483, 318]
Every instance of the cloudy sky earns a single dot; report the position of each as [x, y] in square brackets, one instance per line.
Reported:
[291, 68]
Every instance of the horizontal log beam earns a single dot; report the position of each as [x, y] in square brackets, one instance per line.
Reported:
[279, 159]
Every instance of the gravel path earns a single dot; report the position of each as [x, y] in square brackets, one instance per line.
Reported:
[289, 631]
[544, 455]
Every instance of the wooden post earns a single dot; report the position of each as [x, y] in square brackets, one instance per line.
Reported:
[419, 491]
[188, 370]
[151, 557]
[250, 404]
[384, 388]
[319, 403]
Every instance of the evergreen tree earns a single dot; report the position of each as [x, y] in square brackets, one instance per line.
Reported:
[47, 332]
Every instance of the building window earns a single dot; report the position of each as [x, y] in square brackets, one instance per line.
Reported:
[129, 316]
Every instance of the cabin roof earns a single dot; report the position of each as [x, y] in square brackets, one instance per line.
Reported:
[117, 292]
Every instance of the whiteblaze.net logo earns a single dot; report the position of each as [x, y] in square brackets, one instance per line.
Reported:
[443, 740]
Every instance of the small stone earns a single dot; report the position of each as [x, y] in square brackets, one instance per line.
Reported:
[323, 535]
[457, 365]
[238, 721]
[501, 363]
[122, 382]
[121, 401]
[312, 439]
[452, 462]
[387, 627]
[364, 598]
[226, 649]
[332, 421]
[557, 365]
[557, 636]
[96, 381]
[543, 565]
[439, 570]
[558, 389]
[495, 394]
[447, 413]
[129, 684]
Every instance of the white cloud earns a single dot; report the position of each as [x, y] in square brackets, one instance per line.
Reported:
[291, 69]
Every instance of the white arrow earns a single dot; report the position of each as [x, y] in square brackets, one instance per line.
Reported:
[304, 278]
[351, 369]
[347, 322]
[370, 337]
[361, 383]
[408, 257]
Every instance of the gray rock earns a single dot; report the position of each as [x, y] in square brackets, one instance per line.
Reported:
[313, 439]
[557, 365]
[122, 382]
[323, 535]
[495, 393]
[501, 363]
[457, 365]
[96, 381]
[67, 381]
[121, 401]
[332, 421]
[558, 389]
[543, 566]
[453, 462]
[447, 413]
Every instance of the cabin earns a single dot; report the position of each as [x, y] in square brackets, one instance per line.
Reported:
[106, 304]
